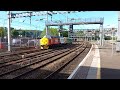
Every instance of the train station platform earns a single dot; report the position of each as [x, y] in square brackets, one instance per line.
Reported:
[102, 62]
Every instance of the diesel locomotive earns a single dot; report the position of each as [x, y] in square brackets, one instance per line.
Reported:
[47, 41]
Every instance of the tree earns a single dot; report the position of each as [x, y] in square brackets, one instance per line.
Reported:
[107, 37]
[23, 33]
[14, 33]
[2, 32]
[5, 28]
[28, 34]
[31, 34]
[64, 33]
[12, 28]
[43, 33]
[81, 33]
[52, 32]
[38, 34]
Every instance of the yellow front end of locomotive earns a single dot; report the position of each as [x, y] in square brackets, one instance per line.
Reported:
[44, 43]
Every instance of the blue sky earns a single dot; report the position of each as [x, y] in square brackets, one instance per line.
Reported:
[110, 18]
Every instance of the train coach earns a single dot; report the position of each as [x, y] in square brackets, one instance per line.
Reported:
[49, 41]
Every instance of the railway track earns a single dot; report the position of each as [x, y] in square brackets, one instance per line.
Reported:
[21, 65]
[31, 56]
[65, 61]
[9, 67]
[32, 74]
[17, 52]
[30, 68]
[24, 54]
[29, 50]
[7, 59]
[65, 71]
[6, 62]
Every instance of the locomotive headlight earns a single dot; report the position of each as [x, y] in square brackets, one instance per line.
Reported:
[44, 41]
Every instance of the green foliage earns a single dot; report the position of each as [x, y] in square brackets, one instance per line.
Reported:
[114, 38]
[107, 37]
[64, 33]
[14, 33]
[2, 32]
[28, 34]
[12, 28]
[52, 32]
[23, 33]
[43, 33]
[96, 38]
[80, 33]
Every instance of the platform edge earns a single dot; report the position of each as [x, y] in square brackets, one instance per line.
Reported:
[74, 72]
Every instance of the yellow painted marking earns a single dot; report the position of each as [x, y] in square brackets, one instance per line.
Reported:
[98, 72]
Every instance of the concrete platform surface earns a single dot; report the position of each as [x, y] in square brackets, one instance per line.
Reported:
[102, 62]
[110, 61]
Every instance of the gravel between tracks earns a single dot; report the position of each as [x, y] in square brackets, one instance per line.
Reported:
[65, 72]
[13, 67]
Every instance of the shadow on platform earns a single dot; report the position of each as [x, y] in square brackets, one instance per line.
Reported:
[105, 73]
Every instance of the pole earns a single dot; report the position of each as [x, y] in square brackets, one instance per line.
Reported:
[118, 34]
[101, 35]
[9, 31]
[36, 38]
[112, 42]
[28, 43]
[46, 30]
[47, 26]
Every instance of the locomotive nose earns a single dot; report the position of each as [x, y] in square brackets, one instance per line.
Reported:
[44, 41]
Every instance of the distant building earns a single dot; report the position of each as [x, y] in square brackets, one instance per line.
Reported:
[109, 31]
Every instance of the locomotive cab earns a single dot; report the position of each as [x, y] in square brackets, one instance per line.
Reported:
[45, 42]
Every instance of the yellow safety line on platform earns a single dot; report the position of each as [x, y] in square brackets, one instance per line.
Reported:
[98, 70]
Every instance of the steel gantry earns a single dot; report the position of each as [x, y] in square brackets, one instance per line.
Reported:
[29, 14]
[12, 15]
[79, 21]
